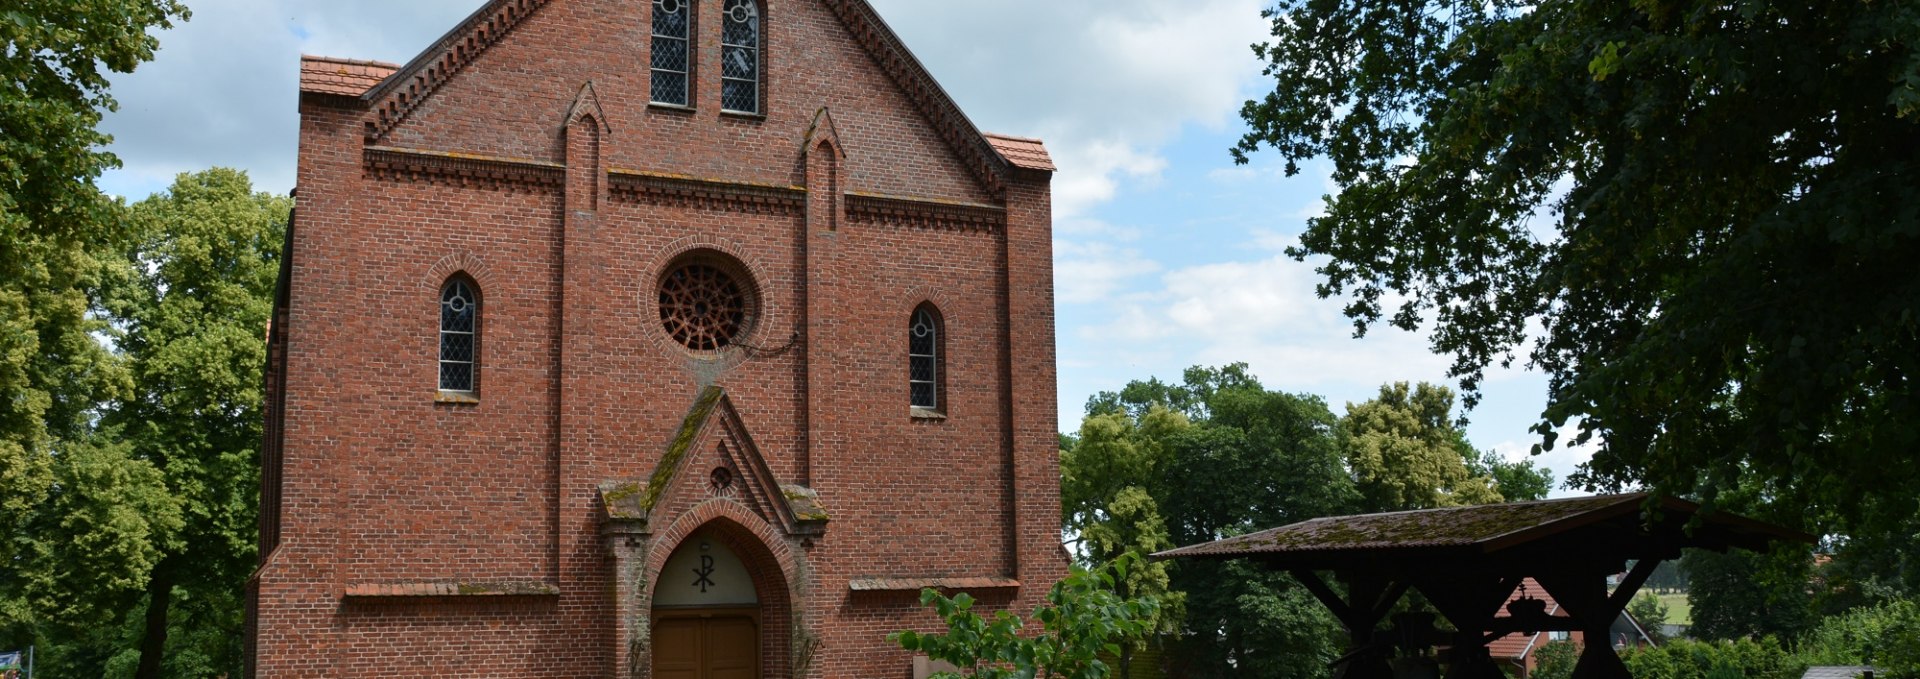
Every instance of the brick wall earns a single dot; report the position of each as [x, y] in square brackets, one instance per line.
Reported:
[421, 537]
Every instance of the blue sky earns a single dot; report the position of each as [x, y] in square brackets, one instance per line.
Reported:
[1167, 254]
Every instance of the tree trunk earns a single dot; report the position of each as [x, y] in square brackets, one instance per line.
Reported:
[153, 643]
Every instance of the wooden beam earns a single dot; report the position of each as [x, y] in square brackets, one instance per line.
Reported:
[1585, 599]
[1368, 600]
[1391, 596]
[1329, 598]
[1637, 577]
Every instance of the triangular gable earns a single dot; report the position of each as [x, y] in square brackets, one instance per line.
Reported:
[823, 130]
[399, 94]
[713, 456]
[587, 105]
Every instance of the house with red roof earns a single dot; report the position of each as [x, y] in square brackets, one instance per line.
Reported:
[1517, 652]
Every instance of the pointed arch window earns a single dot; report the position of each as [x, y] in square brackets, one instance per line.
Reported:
[459, 336]
[924, 358]
[740, 56]
[672, 55]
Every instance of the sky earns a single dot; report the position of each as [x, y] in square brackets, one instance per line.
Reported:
[1167, 254]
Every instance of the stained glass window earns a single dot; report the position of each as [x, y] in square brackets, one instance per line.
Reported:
[671, 58]
[740, 56]
[459, 332]
[923, 358]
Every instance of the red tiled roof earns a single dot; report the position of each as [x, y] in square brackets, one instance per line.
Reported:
[1518, 645]
[344, 77]
[1022, 152]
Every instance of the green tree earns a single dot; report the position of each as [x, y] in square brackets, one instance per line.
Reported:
[1521, 481]
[1084, 617]
[1265, 459]
[1742, 595]
[108, 520]
[1885, 636]
[194, 308]
[1515, 481]
[1651, 613]
[1706, 209]
[1406, 453]
[56, 234]
[1109, 513]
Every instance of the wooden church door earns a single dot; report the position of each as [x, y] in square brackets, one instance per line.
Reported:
[706, 614]
[719, 647]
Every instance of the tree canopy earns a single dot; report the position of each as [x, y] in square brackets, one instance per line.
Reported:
[133, 560]
[1697, 218]
[1264, 458]
[1406, 454]
[194, 314]
[1218, 454]
[84, 517]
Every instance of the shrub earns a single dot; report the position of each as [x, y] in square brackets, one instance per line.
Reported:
[1886, 636]
[1737, 659]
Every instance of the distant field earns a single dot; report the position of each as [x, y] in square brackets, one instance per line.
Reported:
[1678, 612]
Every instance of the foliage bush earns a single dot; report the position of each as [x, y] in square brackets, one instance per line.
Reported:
[1685, 659]
[1765, 658]
[1886, 636]
[1084, 618]
[1555, 660]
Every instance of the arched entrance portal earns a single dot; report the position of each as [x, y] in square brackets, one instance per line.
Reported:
[707, 616]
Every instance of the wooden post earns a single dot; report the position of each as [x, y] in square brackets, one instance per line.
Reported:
[1584, 598]
[1368, 600]
[1470, 603]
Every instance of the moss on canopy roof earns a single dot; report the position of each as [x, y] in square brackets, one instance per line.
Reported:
[1486, 527]
[1446, 527]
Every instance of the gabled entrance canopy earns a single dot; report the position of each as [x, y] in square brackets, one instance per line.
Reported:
[1468, 560]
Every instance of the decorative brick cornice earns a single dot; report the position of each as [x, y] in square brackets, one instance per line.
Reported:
[927, 214]
[397, 96]
[917, 584]
[925, 92]
[712, 194]
[458, 169]
[416, 590]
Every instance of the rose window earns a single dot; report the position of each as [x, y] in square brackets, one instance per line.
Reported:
[704, 307]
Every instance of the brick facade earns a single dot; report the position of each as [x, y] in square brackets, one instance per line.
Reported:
[519, 530]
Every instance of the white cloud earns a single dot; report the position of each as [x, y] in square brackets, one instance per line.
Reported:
[1107, 82]
[1094, 271]
[1083, 227]
[222, 89]
[1564, 459]
[1266, 313]
[1091, 173]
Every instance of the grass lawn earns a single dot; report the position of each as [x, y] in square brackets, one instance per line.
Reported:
[1678, 612]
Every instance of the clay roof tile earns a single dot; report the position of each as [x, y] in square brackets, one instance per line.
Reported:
[1022, 152]
[344, 77]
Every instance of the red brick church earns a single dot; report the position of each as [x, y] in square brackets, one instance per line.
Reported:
[683, 339]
